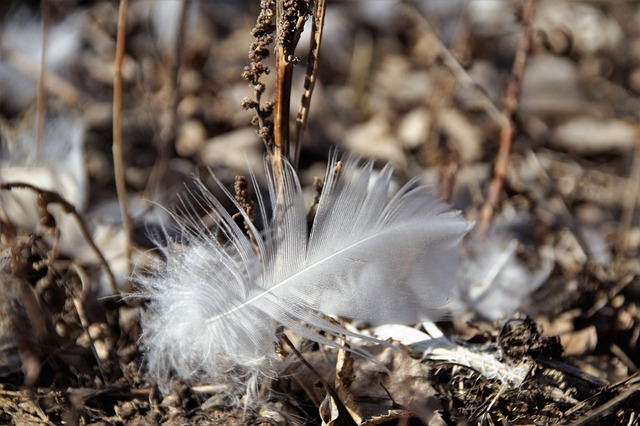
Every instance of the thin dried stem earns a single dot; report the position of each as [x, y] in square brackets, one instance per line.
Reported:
[449, 170]
[78, 303]
[167, 132]
[118, 166]
[289, 25]
[317, 27]
[510, 105]
[452, 64]
[284, 73]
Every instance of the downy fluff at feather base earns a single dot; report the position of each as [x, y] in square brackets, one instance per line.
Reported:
[218, 299]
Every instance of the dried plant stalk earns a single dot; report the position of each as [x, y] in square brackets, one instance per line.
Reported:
[290, 19]
[317, 26]
[118, 166]
[451, 63]
[167, 133]
[506, 132]
[258, 51]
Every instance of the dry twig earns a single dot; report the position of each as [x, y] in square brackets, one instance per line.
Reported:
[451, 63]
[317, 26]
[290, 19]
[629, 397]
[510, 105]
[167, 132]
[118, 165]
[78, 303]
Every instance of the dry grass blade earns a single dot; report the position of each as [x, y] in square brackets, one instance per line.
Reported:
[451, 63]
[290, 19]
[628, 397]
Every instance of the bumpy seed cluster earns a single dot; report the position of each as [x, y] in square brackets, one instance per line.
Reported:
[295, 12]
[263, 32]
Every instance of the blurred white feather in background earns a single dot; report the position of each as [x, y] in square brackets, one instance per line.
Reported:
[58, 165]
[492, 280]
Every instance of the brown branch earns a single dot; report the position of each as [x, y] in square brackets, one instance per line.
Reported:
[290, 19]
[510, 105]
[282, 96]
[284, 73]
[118, 166]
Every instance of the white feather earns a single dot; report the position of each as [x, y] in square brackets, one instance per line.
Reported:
[216, 303]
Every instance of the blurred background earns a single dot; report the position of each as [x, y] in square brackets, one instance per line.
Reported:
[420, 84]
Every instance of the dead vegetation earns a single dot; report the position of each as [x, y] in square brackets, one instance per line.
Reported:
[523, 113]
